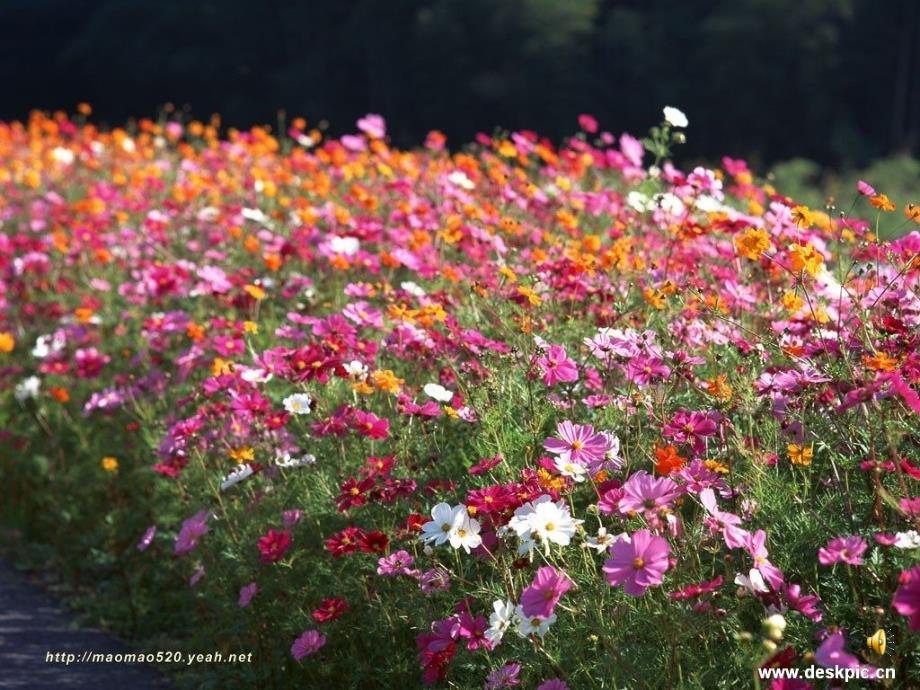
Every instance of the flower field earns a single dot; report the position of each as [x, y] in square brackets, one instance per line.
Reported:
[518, 413]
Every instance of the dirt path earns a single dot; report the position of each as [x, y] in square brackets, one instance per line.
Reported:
[32, 624]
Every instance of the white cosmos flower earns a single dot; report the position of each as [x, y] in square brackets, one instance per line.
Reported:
[62, 155]
[532, 625]
[412, 288]
[675, 117]
[298, 403]
[604, 541]
[47, 344]
[459, 178]
[357, 371]
[465, 533]
[452, 525]
[236, 476]
[753, 582]
[438, 392]
[669, 203]
[256, 215]
[571, 469]
[544, 521]
[443, 519]
[637, 201]
[28, 388]
[285, 461]
[256, 376]
[907, 540]
[344, 245]
[500, 620]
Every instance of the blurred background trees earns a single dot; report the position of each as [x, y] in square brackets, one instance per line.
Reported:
[836, 82]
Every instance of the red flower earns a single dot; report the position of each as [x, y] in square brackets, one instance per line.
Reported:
[353, 493]
[312, 362]
[378, 466]
[329, 610]
[374, 542]
[414, 522]
[344, 542]
[273, 545]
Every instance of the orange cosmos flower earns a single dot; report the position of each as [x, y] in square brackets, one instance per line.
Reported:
[752, 243]
[882, 202]
[912, 211]
[59, 394]
[668, 460]
[386, 380]
[800, 455]
[880, 361]
[804, 257]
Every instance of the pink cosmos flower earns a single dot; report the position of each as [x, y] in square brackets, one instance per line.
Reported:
[806, 604]
[247, 592]
[756, 546]
[865, 188]
[643, 493]
[832, 654]
[192, 530]
[373, 125]
[557, 367]
[553, 684]
[505, 677]
[308, 643]
[147, 539]
[907, 597]
[638, 563]
[720, 521]
[577, 443]
[289, 518]
[588, 123]
[542, 595]
[398, 563]
[434, 580]
[847, 550]
[196, 576]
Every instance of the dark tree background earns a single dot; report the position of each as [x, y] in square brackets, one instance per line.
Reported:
[837, 81]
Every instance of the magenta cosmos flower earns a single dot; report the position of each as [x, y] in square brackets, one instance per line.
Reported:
[557, 367]
[247, 592]
[577, 443]
[542, 595]
[308, 643]
[691, 428]
[907, 597]
[643, 493]
[192, 530]
[847, 550]
[639, 563]
[833, 654]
